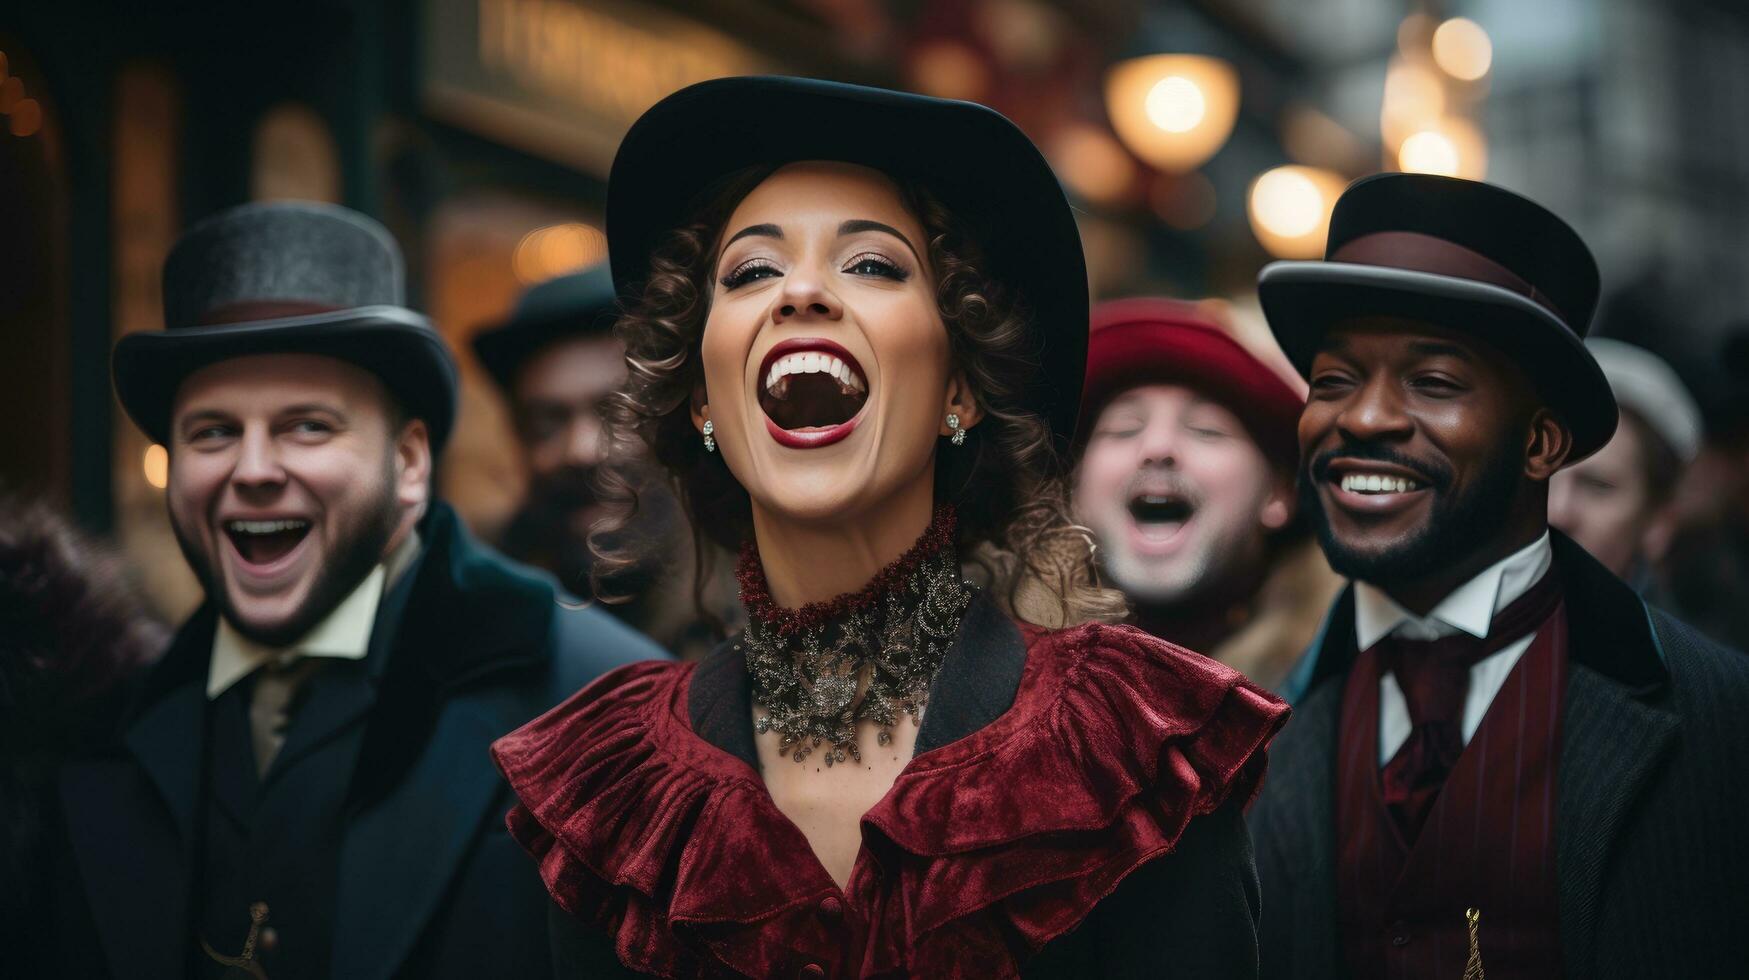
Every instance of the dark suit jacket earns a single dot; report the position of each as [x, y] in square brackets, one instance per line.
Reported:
[1651, 852]
[430, 883]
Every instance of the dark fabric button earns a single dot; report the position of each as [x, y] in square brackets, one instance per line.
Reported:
[813, 971]
[831, 910]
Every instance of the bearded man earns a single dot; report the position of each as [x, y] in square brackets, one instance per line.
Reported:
[1504, 762]
[301, 788]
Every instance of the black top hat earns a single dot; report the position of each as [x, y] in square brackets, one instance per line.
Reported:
[980, 165]
[566, 306]
[1462, 255]
[286, 277]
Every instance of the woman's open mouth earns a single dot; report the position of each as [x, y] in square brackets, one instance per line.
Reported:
[812, 392]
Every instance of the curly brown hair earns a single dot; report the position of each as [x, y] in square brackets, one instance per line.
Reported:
[1007, 481]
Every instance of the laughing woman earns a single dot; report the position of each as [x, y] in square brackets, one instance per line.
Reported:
[855, 349]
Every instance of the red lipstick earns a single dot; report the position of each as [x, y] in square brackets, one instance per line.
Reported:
[812, 437]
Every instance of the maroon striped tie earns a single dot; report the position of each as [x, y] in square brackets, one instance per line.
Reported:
[1435, 678]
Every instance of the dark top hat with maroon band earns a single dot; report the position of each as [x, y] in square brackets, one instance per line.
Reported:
[1462, 255]
[290, 277]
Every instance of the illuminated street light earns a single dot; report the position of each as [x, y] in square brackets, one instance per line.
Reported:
[1290, 209]
[1452, 147]
[1173, 110]
[1462, 49]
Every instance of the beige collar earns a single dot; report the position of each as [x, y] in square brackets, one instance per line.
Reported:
[344, 634]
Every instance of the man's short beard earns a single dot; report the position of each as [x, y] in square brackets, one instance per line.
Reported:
[1454, 529]
[360, 546]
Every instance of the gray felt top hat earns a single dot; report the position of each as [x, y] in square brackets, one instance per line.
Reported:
[286, 277]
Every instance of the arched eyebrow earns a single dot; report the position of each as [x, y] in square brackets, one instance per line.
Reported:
[766, 231]
[856, 225]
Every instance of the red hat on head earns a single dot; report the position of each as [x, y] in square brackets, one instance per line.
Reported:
[1160, 341]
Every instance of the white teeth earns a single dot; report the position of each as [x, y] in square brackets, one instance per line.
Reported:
[1375, 483]
[814, 362]
[1155, 501]
[266, 527]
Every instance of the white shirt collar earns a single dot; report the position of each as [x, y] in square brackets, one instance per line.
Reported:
[343, 634]
[1470, 608]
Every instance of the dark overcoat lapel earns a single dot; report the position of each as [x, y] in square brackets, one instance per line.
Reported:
[461, 631]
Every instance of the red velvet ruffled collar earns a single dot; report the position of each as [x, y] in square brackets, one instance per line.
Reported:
[756, 595]
[984, 849]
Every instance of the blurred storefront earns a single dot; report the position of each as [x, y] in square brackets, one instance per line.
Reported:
[1198, 138]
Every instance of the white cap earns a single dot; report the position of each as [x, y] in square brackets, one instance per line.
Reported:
[1649, 387]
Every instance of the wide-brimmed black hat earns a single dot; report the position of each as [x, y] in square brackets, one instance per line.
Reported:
[1462, 255]
[980, 166]
[280, 278]
[579, 304]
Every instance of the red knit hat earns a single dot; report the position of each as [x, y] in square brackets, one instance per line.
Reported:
[1160, 341]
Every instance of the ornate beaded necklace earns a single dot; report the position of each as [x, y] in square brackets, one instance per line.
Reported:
[864, 656]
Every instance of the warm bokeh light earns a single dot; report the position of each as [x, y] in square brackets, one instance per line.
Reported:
[558, 249]
[1290, 209]
[1414, 100]
[1173, 110]
[949, 70]
[11, 92]
[1429, 152]
[1092, 163]
[1462, 49]
[1453, 147]
[156, 466]
[1175, 104]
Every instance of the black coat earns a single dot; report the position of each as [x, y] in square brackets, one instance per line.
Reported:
[429, 882]
[1651, 854]
[1190, 914]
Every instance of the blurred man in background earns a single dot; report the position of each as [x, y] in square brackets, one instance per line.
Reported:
[557, 361]
[1615, 503]
[1186, 479]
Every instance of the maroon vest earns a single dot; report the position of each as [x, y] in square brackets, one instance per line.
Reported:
[1488, 844]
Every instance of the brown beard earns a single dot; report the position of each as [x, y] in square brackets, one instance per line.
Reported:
[360, 544]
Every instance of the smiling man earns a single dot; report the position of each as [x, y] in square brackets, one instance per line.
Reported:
[302, 786]
[1186, 477]
[1501, 753]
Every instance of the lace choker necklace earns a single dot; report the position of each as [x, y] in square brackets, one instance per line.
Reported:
[863, 656]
